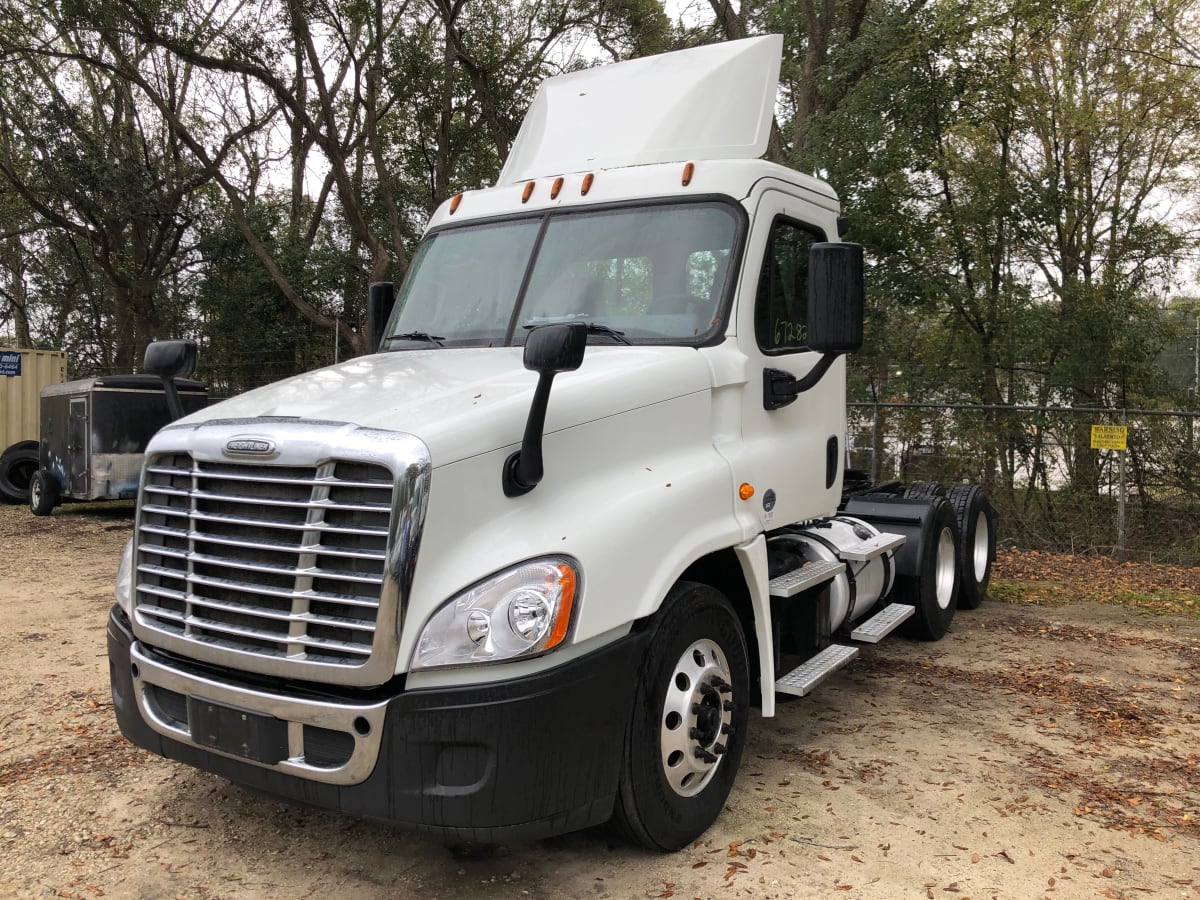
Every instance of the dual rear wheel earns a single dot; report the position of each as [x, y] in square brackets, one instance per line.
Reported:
[962, 552]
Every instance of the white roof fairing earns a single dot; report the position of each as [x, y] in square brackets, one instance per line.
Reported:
[711, 102]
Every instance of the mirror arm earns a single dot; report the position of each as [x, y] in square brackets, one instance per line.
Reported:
[523, 468]
[174, 404]
[781, 388]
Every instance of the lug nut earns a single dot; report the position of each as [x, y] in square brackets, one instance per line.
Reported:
[728, 706]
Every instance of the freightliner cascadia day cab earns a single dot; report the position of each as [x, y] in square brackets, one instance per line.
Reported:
[529, 566]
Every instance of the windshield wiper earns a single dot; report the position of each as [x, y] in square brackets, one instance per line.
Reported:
[417, 336]
[592, 328]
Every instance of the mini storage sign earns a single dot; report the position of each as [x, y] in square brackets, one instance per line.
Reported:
[1109, 437]
[10, 363]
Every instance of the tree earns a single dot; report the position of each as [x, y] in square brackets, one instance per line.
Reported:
[1015, 166]
[83, 156]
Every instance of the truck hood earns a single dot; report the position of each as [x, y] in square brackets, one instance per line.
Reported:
[463, 402]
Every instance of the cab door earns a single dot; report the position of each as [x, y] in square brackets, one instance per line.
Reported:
[792, 454]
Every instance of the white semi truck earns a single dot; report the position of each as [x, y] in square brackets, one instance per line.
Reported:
[528, 567]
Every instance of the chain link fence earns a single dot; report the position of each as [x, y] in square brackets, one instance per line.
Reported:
[1053, 489]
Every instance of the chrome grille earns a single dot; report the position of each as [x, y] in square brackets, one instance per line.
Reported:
[282, 562]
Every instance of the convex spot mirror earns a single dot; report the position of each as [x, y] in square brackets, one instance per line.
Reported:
[170, 359]
[836, 297]
[556, 348]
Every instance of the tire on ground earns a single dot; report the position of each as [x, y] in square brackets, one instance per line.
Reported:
[934, 590]
[43, 493]
[977, 521]
[686, 734]
[17, 465]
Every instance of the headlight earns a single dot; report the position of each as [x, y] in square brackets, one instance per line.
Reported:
[124, 585]
[521, 611]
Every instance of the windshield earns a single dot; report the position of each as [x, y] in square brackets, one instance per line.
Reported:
[651, 274]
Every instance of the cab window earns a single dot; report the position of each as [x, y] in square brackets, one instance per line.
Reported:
[781, 306]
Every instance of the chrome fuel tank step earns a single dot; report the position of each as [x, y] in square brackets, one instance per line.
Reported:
[807, 576]
[882, 623]
[802, 679]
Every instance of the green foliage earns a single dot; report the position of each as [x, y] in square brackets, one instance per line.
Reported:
[249, 333]
[1011, 168]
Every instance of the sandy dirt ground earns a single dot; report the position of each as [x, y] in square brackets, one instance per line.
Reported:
[1036, 751]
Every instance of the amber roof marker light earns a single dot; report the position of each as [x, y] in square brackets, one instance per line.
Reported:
[688, 171]
[587, 184]
[556, 187]
[454, 203]
[528, 192]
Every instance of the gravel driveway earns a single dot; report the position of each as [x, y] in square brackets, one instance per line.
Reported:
[1035, 751]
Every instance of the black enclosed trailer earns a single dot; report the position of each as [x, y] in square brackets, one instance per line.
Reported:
[94, 432]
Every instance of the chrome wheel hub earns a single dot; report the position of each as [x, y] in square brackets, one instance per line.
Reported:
[979, 553]
[943, 573]
[697, 717]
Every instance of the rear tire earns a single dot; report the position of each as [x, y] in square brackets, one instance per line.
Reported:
[17, 465]
[934, 590]
[977, 548]
[43, 493]
[685, 739]
[924, 490]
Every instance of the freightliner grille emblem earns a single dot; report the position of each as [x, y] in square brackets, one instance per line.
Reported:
[249, 445]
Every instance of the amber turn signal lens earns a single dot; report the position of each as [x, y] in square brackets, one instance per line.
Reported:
[563, 620]
[746, 491]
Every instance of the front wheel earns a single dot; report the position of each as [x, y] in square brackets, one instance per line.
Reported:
[685, 739]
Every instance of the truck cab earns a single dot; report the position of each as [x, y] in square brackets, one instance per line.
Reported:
[528, 566]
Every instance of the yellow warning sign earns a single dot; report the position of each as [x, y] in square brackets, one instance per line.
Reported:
[1109, 437]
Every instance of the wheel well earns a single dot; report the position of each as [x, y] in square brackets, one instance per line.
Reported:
[723, 571]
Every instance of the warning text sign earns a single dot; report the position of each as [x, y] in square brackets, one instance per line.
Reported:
[1109, 437]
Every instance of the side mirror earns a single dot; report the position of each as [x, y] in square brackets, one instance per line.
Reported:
[168, 360]
[556, 348]
[836, 297]
[381, 297]
[549, 350]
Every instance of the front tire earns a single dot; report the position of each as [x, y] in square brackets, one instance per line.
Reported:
[688, 728]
